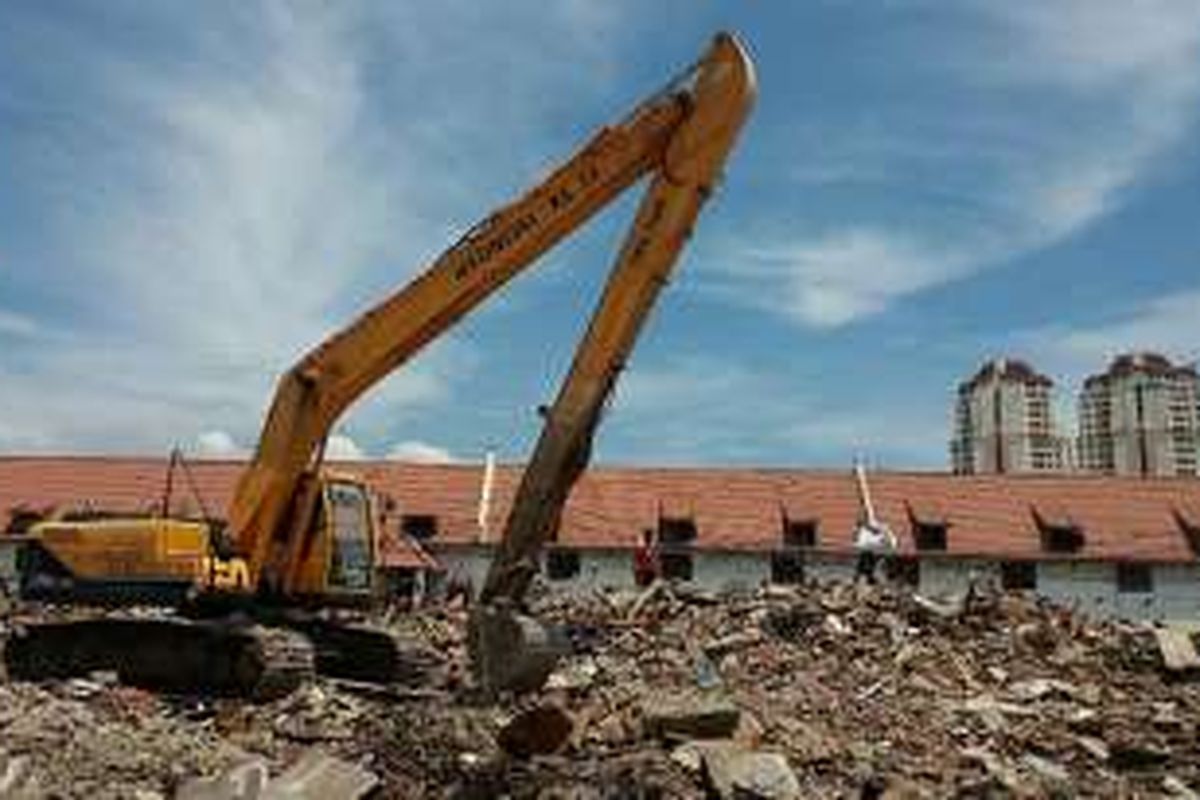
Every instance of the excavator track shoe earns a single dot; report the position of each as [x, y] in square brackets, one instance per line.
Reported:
[168, 655]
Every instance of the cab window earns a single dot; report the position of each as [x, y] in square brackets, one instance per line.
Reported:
[350, 555]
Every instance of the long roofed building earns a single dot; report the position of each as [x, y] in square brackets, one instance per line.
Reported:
[1111, 545]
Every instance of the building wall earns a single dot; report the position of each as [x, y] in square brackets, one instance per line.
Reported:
[597, 568]
[731, 571]
[9, 578]
[601, 569]
[950, 576]
[1177, 592]
[1089, 587]
[1084, 585]
[467, 562]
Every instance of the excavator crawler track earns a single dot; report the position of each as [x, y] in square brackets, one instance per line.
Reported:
[362, 652]
[169, 654]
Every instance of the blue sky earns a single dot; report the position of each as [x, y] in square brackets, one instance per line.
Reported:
[192, 194]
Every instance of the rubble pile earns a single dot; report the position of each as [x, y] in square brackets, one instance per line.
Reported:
[817, 691]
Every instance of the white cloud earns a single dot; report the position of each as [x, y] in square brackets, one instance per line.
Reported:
[1089, 44]
[218, 444]
[244, 207]
[1169, 324]
[846, 275]
[17, 325]
[420, 453]
[1072, 106]
[340, 447]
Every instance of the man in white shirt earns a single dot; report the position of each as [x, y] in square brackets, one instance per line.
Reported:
[872, 541]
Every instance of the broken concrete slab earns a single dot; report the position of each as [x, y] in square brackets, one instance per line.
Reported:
[1039, 688]
[1177, 788]
[245, 781]
[316, 776]
[737, 774]
[575, 676]
[17, 781]
[1177, 649]
[1094, 747]
[690, 716]
[1053, 776]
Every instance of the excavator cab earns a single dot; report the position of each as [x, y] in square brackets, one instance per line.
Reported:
[336, 559]
[349, 532]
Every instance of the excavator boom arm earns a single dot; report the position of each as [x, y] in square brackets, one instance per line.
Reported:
[722, 97]
[273, 500]
[313, 393]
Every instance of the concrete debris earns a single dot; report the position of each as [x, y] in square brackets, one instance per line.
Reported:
[17, 781]
[1094, 747]
[245, 781]
[945, 609]
[733, 643]
[997, 769]
[316, 776]
[813, 691]
[1177, 649]
[737, 774]
[690, 756]
[540, 730]
[690, 716]
[1041, 688]
[1053, 776]
[574, 676]
[1177, 788]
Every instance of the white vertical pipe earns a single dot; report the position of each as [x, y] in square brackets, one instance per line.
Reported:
[485, 494]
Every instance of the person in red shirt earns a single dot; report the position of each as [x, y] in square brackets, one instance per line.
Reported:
[645, 560]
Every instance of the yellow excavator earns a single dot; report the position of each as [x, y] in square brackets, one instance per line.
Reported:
[296, 536]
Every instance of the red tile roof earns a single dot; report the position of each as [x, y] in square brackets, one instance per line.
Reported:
[733, 509]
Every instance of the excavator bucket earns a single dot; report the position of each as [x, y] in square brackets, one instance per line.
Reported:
[511, 651]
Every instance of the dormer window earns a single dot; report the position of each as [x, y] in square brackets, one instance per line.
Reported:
[1056, 539]
[676, 530]
[929, 535]
[929, 528]
[1059, 532]
[799, 532]
[421, 527]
